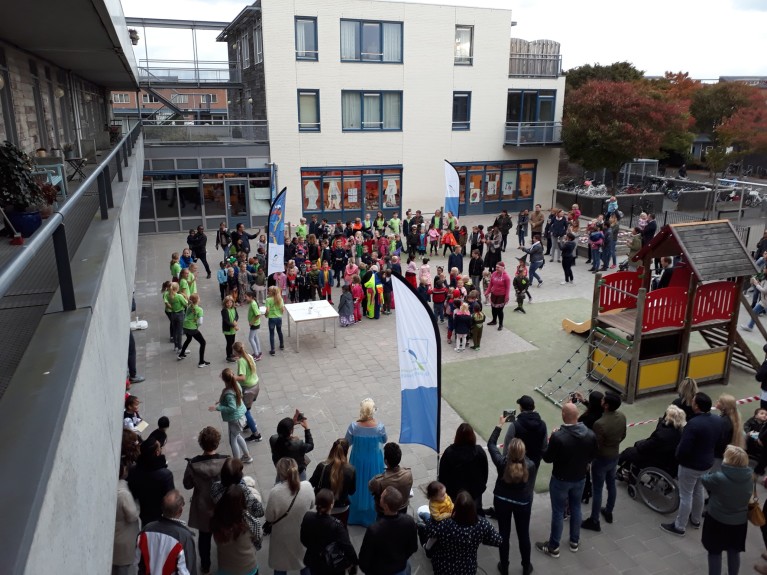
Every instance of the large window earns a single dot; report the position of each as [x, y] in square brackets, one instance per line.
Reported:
[306, 38]
[461, 110]
[371, 110]
[209, 98]
[258, 45]
[245, 50]
[309, 110]
[121, 98]
[364, 41]
[464, 45]
[149, 99]
[349, 192]
[179, 98]
[530, 106]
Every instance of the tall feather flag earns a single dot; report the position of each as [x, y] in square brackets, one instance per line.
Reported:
[452, 184]
[275, 248]
[419, 352]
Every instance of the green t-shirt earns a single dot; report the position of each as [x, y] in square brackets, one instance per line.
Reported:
[193, 314]
[166, 301]
[232, 314]
[175, 270]
[302, 230]
[272, 309]
[437, 223]
[178, 303]
[254, 314]
[394, 224]
[192, 283]
[251, 377]
[183, 287]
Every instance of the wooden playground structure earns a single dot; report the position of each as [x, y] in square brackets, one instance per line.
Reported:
[640, 339]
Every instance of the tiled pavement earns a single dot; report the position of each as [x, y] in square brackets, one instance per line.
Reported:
[327, 385]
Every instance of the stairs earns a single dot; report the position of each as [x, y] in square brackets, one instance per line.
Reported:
[742, 356]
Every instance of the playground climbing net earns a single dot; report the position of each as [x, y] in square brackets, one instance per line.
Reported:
[575, 376]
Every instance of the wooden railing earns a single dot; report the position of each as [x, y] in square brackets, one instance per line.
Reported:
[619, 290]
[715, 301]
[665, 307]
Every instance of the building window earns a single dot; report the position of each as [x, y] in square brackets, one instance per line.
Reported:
[464, 45]
[308, 110]
[530, 105]
[258, 45]
[149, 99]
[461, 110]
[306, 38]
[371, 110]
[245, 50]
[179, 98]
[363, 41]
[121, 98]
[346, 193]
[209, 98]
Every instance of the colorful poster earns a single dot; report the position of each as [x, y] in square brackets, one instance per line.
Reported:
[275, 254]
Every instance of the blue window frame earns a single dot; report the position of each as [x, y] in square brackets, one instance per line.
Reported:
[306, 38]
[530, 105]
[371, 41]
[369, 110]
[308, 110]
[461, 110]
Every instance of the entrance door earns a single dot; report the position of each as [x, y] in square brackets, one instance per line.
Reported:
[474, 195]
[237, 208]
[372, 187]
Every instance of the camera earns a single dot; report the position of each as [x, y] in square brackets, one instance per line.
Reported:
[298, 417]
[510, 414]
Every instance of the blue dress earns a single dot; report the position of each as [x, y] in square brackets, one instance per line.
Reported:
[367, 458]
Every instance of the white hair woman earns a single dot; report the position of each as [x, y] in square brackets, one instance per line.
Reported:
[658, 450]
[366, 437]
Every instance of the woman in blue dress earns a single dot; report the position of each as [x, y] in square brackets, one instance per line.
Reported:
[366, 437]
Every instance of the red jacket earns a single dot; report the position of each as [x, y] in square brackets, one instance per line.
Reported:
[500, 284]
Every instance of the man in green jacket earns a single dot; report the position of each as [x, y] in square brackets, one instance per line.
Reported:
[610, 430]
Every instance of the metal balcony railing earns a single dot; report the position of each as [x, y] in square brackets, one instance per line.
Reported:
[533, 134]
[164, 72]
[535, 65]
[206, 131]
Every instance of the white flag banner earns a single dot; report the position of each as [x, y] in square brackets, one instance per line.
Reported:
[452, 184]
[418, 346]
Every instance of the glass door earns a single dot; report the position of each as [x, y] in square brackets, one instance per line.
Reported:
[237, 203]
[372, 187]
[545, 133]
[474, 193]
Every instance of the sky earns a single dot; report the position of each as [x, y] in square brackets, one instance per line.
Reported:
[706, 38]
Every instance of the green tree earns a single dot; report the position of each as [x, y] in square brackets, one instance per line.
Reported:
[616, 72]
[715, 103]
[607, 124]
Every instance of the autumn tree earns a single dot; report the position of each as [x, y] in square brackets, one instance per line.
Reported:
[746, 127]
[616, 72]
[713, 104]
[607, 124]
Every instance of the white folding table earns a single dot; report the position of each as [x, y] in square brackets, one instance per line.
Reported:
[311, 311]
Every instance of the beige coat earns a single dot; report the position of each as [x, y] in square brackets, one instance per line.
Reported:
[126, 526]
[536, 222]
[285, 550]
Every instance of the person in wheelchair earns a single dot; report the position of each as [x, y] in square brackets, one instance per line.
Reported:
[753, 428]
[658, 450]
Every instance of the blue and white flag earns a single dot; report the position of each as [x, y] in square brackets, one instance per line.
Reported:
[419, 351]
[275, 248]
[452, 183]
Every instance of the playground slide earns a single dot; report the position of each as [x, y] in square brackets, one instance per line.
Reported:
[571, 326]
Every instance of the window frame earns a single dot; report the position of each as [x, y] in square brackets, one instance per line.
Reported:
[316, 93]
[316, 50]
[380, 94]
[380, 24]
[120, 98]
[179, 98]
[470, 61]
[149, 99]
[208, 98]
[258, 44]
[540, 94]
[462, 125]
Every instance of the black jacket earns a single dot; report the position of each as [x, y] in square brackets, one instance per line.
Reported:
[149, 480]
[571, 448]
[531, 429]
[293, 447]
[649, 232]
[455, 261]
[320, 479]
[515, 491]
[464, 467]
[227, 325]
[559, 227]
[318, 530]
[388, 544]
[699, 440]
[761, 376]
[659, 450]
[725, 437]
[476, 267]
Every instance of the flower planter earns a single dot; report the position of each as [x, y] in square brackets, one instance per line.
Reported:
[25, 223]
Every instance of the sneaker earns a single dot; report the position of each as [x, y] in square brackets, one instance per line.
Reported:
[540, 284]
[137, 379]
[492, 322]
[500, 327]
[203, 364]
[563, 283]
[695, 524]
[258, 357]
[527, 569]
[574, 547]
[231, 360]
[590, 525]
[282, 347]
[606, 514]
[746, 327]
[671, 528]
[271, 352]
[612, 267]
[254, 437]
[543, 547]
[449, 340]
[247, 459]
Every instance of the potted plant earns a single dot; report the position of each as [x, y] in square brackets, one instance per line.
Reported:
[69, 151]
[134, 37]
[49, 194]
[19, 192]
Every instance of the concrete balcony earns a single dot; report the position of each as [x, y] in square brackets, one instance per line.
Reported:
[206, 132]
[533, 134]
[535, 65]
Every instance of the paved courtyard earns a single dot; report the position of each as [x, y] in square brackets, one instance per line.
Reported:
[327, 384]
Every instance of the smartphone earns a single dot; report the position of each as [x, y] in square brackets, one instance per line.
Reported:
[509, 415]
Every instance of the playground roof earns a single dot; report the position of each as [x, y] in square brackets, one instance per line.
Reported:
[713, 249]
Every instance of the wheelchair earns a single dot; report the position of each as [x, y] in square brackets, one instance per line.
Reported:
[655, 487]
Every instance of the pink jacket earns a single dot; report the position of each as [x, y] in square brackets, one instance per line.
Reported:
[500, 284]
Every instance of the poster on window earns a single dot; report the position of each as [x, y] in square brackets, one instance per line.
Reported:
[525, 184]
[311, 195]
[332, 195]
[352, 195]
[391, 192]
[508, 184]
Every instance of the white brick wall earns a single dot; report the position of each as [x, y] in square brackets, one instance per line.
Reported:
[427, 78]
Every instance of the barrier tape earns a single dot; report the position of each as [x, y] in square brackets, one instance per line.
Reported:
[738, 402]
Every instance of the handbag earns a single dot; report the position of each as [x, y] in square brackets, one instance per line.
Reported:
[267, 528]
[755, 513]
[334, 557]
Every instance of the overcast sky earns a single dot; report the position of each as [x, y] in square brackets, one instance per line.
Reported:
[707, 38]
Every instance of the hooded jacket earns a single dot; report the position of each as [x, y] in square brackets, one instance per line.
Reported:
[149, 480]
[531, 429]
[200, 473]
[464, 467]
[571, 448]
[729, 492]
